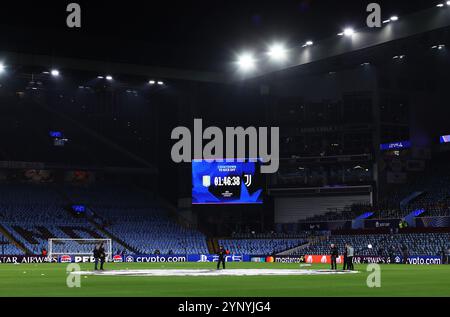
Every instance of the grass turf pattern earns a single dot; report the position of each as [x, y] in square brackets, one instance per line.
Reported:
[396, 280]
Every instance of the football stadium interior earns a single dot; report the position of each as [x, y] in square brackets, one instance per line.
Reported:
[87, 157]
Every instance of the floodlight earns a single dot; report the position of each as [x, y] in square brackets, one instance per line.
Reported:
[246, 62]
[277, 52]
[349, 32]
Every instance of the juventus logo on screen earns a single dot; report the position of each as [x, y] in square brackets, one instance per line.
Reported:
[248, 180]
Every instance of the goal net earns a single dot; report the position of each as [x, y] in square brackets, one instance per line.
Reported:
[77, 247]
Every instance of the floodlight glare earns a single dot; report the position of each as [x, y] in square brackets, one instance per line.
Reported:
[277, 52]
[394, 18]
[448, 3]
[109, 77]
[151, 82]
[54, 72]
[440, 5]
[246, 62]
[100, 77]
[308, 43]
[349, 32]
[160, 83]
[2, 68]
[439, 47]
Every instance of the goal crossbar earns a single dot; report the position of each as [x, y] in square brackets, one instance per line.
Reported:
[53, 242]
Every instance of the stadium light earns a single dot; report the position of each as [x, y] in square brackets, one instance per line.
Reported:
[308, 43]
[391, 19]
[151, 82]
[448, 3]
[54, 72]
[160, 83]
[100, 77]
[277, 52]
[109, 77]
[347, 32]
[440, 5]
[246, 62]
[2, 68]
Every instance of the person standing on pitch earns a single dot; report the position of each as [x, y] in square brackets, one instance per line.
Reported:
[345, 267]
[334, 254]
[99, 254]
[222, 255]
[350, 254]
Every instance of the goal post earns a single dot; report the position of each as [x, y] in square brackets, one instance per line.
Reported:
[81, 247]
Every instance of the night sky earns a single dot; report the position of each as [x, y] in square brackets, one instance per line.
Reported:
[189, 34]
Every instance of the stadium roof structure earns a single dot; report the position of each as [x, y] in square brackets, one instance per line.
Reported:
[365, 42]
[112, 68]
[408, 27]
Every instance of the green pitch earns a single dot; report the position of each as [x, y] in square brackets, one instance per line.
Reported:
[396, 280]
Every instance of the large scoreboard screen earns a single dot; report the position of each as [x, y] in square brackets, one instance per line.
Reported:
[226, 182]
